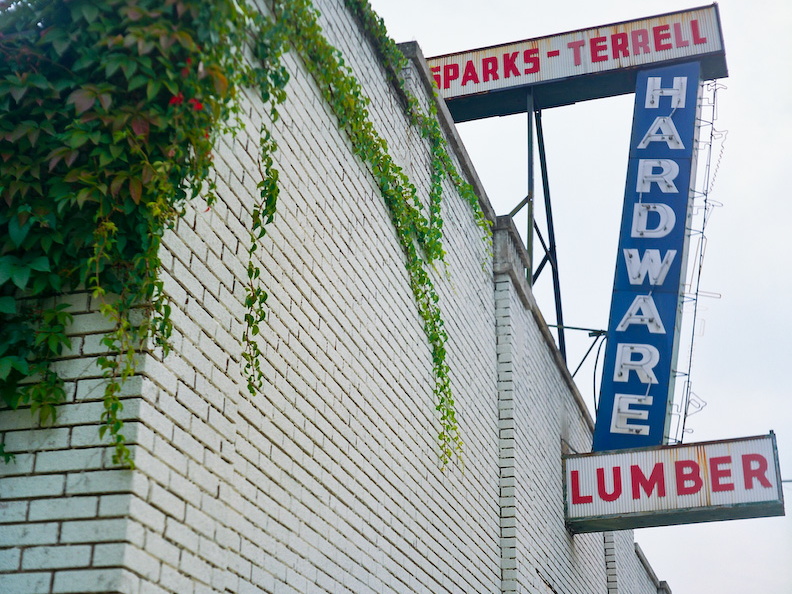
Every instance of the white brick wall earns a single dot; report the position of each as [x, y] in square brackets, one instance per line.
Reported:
[328, 480]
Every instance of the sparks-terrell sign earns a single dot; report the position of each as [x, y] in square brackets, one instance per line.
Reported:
[643, 332]
[575, 66]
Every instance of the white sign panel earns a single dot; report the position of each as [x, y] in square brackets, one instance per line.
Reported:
[717, 480]
[674, 36]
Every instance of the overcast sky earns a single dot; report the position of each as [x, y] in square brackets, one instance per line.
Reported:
[742, 350]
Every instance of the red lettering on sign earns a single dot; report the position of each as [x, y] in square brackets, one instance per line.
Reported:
[450, 72]
[599, 49]
[617, 484]
[697, 38]
[531, 59]
[661, 35]
[490, 67]
[510, 65]
[640, 42]
[679, 38]
[758, 472]
[575, 47]
[470, 73]
[687, 471]
[576, 496]
[717, 474]
[655, 479]
[619, 45]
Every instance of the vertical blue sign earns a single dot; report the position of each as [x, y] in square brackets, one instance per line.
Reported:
[643, 333]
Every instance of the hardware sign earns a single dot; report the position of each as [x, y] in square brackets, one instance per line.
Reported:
[643, 332]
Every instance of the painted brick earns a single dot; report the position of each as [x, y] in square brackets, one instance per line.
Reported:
[28, 582]
[9, 560]
[56, 557]
[21, 464]
[63, 508]
[53, 438]
[95, 580]
[99, 481]
[174, 581]
[162, 549]
[73, 459]
[114, 505]
[93, 531]
[146, 514]
[13, 511]
[118, 554]
[167, 502]
[28, 534]
[31, 486]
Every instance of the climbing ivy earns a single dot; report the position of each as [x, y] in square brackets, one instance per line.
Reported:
[109, 114]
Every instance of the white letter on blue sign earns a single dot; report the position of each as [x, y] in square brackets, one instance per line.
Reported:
[622, 414]
[662, 129]
[640, 222]
[669, 170]
[654, 91]
[650, 357]
[642, 311]
[637, 268]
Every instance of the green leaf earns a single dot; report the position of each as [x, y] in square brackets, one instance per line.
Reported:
[137, 82]
[41, 264]
[152, 88]
[90, 11]
[5, 367]
[20, 365]
[18, 232]
[7, 265]
[8, 305]
[20, 275]
[84, 62]
[61, 45]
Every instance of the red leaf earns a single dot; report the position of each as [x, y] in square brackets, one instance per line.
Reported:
[55, 160]
[115, 185]
[140, 127]
[133, 13]
[18, 92]
[82, 99]
[148, 173]
[106, 100]
[135, 189]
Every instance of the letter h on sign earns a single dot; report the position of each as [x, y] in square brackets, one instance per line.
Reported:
[643, 333]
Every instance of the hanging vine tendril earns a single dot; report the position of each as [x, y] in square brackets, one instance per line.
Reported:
[109, 115]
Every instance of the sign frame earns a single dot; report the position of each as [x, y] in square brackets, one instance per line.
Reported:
[612, 516]
[553, 82]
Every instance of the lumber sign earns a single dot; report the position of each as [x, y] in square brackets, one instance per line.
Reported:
[659, 486]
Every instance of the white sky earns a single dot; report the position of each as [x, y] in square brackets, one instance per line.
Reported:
[743, 348]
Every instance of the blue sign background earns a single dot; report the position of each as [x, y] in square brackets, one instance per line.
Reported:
[666, 296]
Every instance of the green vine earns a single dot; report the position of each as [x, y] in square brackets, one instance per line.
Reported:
[420, 239]
[109, 115]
